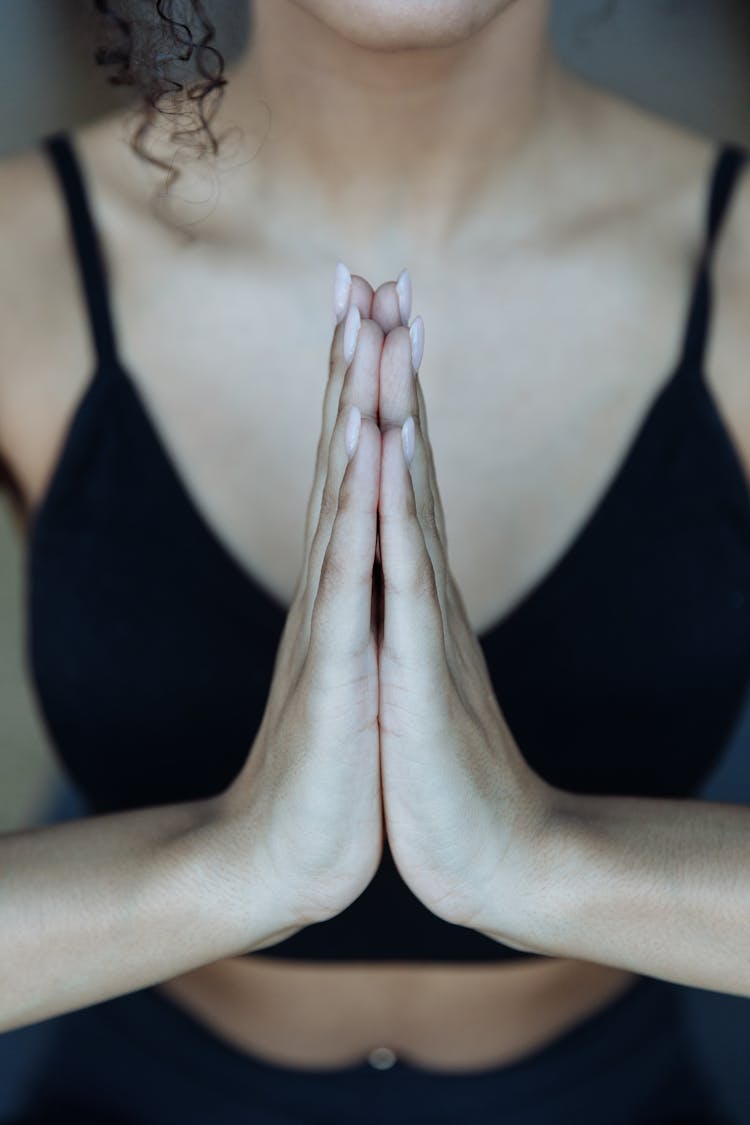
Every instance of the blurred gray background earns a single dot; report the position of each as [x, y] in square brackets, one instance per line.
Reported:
[688, 59]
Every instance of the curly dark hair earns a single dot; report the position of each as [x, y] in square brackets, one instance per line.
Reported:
[143, 52]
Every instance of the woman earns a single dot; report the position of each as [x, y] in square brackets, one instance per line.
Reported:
[452, 880]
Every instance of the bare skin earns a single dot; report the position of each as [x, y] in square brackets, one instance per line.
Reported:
[507, 525]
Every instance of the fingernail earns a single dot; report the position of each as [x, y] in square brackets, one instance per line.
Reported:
[351, 332]
[353, 426]
[417, 342]
[407, 439]
[342, 291]
[403, 289]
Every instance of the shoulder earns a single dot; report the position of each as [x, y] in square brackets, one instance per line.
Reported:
[674, 164]
[45, 342]
[644, 168]
[681, 163]
[37, 264]
[32, 235]
[727, 356]
[33, 275]
[661, 171]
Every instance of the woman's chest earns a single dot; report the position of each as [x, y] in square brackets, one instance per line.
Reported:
[531, 409]
[592, 527]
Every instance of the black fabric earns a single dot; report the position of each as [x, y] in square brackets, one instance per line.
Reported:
[151, 648]
[140, 1060]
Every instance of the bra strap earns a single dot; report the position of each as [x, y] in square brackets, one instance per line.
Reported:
[727, 167]
[91, 264]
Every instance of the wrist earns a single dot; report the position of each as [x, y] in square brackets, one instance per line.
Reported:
[218, 864]
[522, 904]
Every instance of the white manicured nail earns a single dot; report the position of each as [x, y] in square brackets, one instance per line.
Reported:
[351, 333]
[403, 289]
[417, 342]
[353, 426]
[342, 291]
[407, 439]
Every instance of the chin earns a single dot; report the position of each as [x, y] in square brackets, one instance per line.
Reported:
[404, 24]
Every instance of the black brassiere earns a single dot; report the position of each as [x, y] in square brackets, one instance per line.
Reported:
[151, 647]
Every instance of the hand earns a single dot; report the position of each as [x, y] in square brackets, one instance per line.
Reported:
[462, 807]
[306, 806]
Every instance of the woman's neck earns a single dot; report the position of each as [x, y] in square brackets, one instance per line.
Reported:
[351, 143]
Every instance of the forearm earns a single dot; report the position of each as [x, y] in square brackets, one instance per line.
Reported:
[95, 908]
[657, 886]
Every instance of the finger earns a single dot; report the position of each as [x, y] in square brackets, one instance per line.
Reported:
[412, 622]
[463, 655]
[455, 601]
[391, 306]
[386, 295]
[385, 308]
[392, 302]
[436, 535]
[437, 499]
[398, 392]
[459, 636]
[360, 388]
[358, 294]
[399, 401]
[462, 645]
[340, 627]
